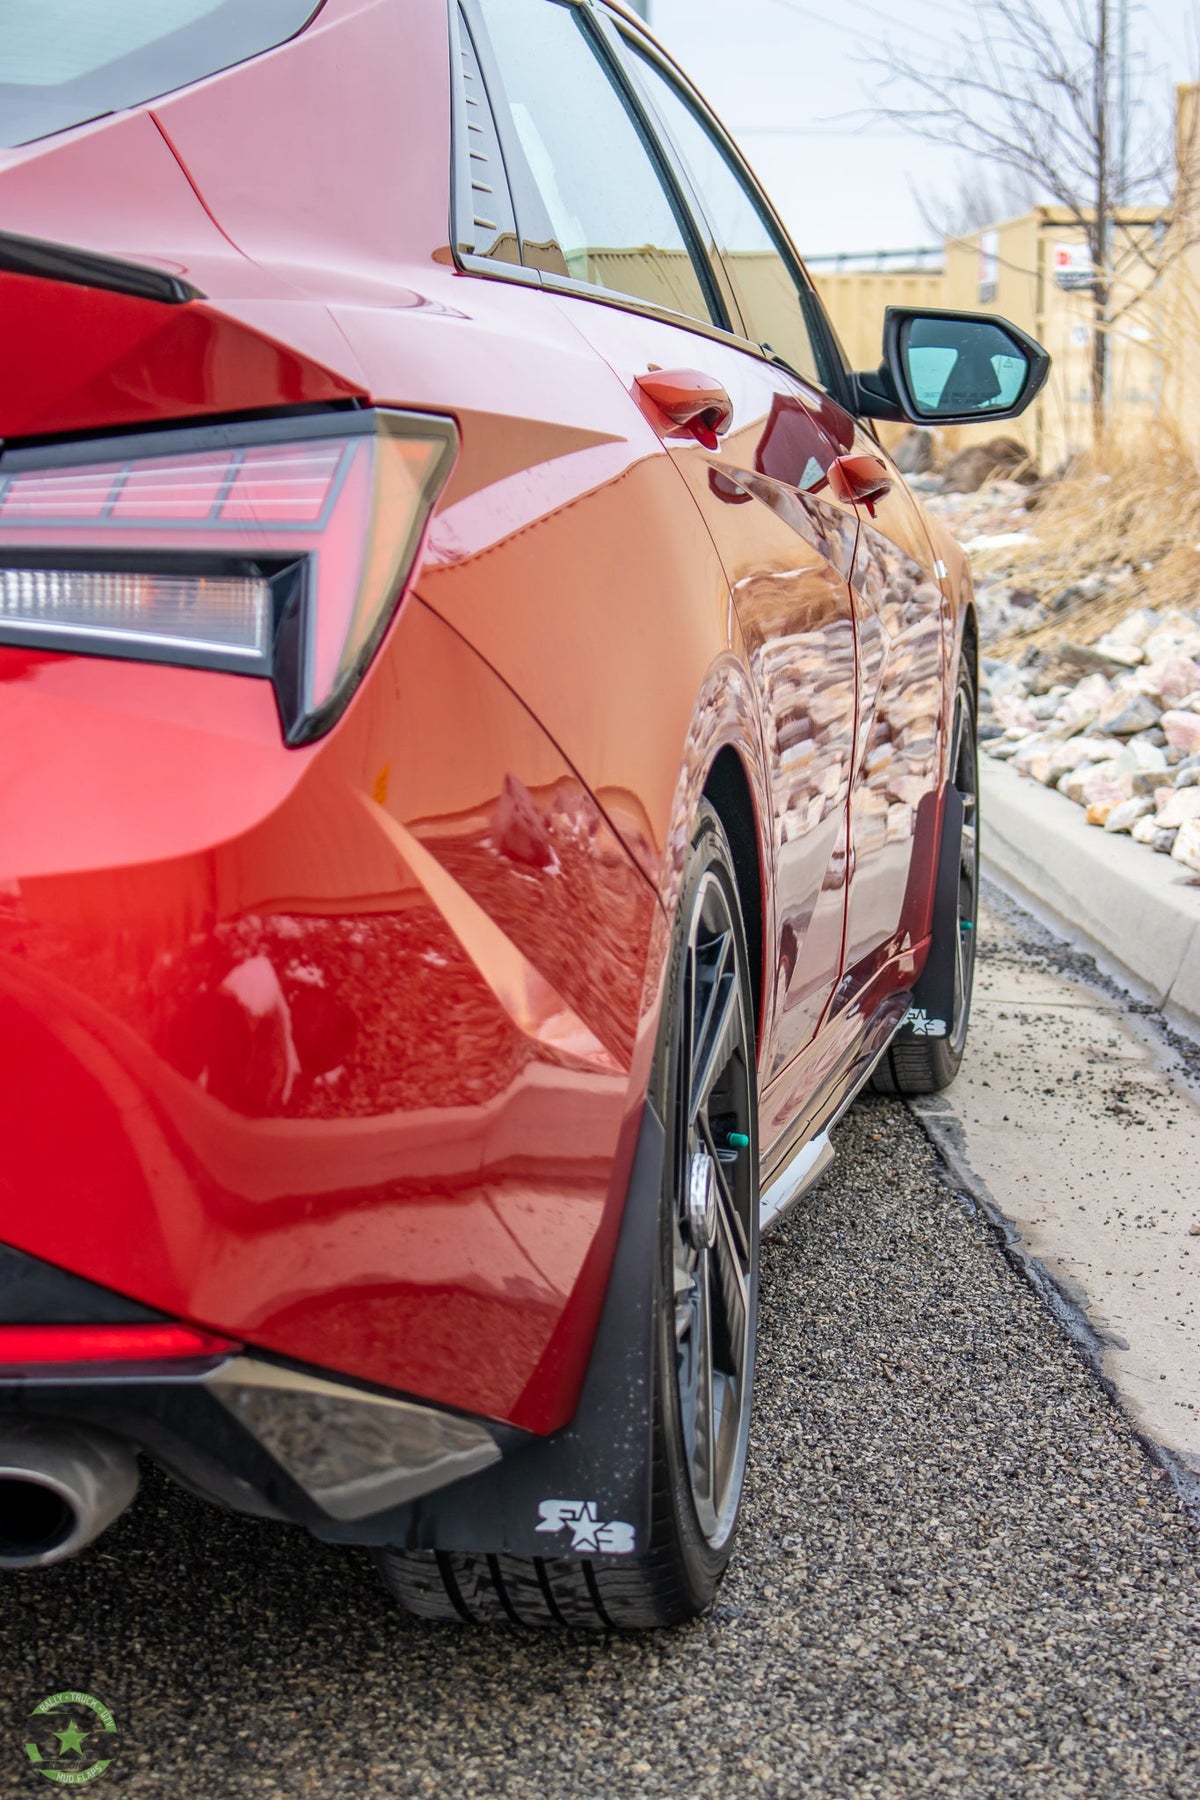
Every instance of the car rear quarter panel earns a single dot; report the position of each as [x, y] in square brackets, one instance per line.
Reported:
[337, 1051]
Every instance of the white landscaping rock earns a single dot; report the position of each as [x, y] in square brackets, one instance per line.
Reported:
[1176, 634]
[1183, 731]
[1094, 695]
[1186, 848]
[1131, 633]
[1128, 715]
[1180, 806]
[1013, 710]
[1172, 679]
[1126, 816]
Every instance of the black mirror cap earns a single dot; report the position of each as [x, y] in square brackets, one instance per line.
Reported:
[884, 393]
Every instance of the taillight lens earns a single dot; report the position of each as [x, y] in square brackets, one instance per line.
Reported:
[278, 549]
[48, 1346]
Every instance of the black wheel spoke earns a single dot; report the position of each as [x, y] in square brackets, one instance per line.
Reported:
[719, 1037]
[714, 1226]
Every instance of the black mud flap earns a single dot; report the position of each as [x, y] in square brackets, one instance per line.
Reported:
[931, 1013]
[587, 1489]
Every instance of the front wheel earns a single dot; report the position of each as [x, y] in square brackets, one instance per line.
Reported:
[705, 1297]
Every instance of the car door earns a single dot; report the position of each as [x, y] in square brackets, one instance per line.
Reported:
[901, 622]
[618, 243]
[898, 604]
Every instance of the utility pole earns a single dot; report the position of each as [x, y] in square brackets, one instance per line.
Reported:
[1101, 224]
[1124, 101]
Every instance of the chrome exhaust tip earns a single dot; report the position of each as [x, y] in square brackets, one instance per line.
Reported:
[60, 1487]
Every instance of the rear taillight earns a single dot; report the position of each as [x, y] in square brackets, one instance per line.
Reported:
[279, 549]
[47, 1346]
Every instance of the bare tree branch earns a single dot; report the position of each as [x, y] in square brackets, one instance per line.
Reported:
[1029, 95]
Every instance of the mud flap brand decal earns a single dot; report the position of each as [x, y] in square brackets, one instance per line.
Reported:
[590, 1535]
[918, 1021]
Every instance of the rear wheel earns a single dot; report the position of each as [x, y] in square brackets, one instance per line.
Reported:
[706, 1290]
[926, 1064]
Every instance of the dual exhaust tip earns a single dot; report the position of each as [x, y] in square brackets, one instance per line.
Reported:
[60, 1487]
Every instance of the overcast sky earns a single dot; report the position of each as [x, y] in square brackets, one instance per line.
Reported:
[783, 75]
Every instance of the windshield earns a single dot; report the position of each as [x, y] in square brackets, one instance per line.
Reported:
[63, 62]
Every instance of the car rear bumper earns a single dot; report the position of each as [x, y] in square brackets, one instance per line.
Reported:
[262, 1436]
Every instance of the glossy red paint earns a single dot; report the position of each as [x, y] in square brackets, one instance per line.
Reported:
[340, 1050]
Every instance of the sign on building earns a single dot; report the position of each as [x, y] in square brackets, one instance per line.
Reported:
[1073, 267]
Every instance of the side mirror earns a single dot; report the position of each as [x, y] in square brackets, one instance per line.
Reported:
[951, 368]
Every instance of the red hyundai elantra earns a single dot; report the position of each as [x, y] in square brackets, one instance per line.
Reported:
[488, 772]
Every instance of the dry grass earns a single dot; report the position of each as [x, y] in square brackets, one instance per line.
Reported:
[1132, 511]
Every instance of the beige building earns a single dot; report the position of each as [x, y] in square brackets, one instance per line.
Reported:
[1035, 271]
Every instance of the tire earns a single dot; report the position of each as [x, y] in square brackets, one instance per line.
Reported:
[926, 1065]
[706, 1290]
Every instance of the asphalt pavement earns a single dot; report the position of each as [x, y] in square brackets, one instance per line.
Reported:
[960, 1573]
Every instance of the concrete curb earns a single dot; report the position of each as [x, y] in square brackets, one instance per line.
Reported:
[1137, 913]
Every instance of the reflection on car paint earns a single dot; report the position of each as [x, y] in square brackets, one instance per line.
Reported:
[301, 1036]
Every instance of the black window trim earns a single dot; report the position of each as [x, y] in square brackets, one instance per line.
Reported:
[527, 204]
[460, 186]
[825, 345]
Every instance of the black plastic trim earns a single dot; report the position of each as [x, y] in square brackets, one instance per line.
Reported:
[33, 1292]
[188, 438]
[88, 268]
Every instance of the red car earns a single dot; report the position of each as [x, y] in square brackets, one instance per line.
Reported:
[488, 773]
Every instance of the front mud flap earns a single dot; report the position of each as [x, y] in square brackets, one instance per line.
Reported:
[931, 1013]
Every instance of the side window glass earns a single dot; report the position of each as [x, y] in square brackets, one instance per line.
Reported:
[483, 214]
[764, 282]
[614, 221]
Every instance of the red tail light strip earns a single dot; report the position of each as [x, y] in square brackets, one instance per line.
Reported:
[41, 1346]
[269, 485]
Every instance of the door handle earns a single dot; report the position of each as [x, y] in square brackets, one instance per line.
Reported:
[696, 405]
[861, 480]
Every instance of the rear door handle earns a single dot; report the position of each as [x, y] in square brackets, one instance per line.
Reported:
[861, 480]
[696, 405]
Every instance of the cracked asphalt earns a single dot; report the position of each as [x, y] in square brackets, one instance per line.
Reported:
[959, 1574]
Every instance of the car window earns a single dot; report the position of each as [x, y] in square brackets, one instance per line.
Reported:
[615, 225]
[766, 283]
[66, 61]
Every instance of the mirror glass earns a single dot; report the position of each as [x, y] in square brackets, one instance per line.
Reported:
[957, 366]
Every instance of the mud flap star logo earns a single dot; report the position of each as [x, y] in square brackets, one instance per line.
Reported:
[918, 1021]
[590, 1535]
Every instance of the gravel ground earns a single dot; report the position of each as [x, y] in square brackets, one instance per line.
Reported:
[959, 1575]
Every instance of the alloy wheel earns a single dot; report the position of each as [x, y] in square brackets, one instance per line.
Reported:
[713, 1224]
